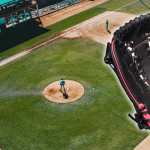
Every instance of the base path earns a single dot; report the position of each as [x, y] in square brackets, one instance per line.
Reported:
[144, 145]
[95, 28]
[73, 89]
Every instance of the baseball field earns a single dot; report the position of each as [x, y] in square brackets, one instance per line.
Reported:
[96, 121]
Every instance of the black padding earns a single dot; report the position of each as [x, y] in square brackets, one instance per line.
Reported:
[145, 112]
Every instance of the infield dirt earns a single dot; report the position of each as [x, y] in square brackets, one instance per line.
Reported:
[74, 90]
[95, 29]
[144, 145]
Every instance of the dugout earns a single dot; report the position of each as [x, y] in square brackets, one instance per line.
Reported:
[14, 12]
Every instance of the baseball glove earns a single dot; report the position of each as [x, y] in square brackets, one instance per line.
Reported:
[62, 83]
[129, 56]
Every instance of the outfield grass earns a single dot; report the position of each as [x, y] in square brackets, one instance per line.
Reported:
[136, 8]
[98, 120]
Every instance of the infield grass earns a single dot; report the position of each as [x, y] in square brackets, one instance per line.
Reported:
[96, 121]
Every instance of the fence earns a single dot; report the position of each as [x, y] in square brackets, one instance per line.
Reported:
[57, 6]
[21, 16]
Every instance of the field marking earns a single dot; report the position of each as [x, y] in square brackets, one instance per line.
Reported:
[11, 58]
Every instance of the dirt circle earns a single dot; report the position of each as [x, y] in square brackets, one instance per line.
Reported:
[95, 28]
[73, 89]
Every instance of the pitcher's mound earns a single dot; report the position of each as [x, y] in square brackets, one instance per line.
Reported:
[73, 89]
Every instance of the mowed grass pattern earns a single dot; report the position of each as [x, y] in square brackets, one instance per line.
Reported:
[97, 121]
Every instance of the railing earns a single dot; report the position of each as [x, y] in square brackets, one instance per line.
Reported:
[57, 6]
[22, 16]
[14, 5]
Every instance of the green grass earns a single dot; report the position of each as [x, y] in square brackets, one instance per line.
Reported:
[98, 120]
[135, 8]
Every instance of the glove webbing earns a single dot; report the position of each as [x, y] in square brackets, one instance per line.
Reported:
[122, 31]
[136, 59]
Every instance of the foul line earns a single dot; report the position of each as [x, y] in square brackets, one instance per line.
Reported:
[9, 59]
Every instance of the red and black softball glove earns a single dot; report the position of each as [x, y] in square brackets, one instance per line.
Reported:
[129, 56]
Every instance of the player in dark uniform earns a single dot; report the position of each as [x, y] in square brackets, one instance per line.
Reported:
[106, 24]
[62, 83]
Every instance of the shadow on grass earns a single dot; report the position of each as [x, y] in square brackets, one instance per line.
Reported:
[20, 34]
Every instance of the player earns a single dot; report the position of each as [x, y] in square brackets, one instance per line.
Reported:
[107, 25]
[62, 83]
